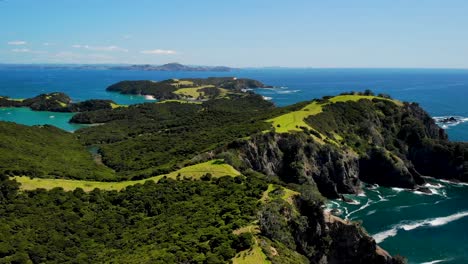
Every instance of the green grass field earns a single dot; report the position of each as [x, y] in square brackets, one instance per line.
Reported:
[192, 91]
[178, 82]
[117, 105]
[294, 120]
[214, 167]
[179, 101]
[286, 196]
[253, 255]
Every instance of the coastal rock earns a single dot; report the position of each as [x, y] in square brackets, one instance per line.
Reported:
[351, 244]
[296, 158]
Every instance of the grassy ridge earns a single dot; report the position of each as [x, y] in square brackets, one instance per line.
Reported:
[193, 92]
[215, 167]
[293, 121]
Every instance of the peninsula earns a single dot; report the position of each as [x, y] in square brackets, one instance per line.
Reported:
[228, 178]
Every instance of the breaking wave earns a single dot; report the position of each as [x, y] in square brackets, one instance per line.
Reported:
[446, 125]
[408, 226]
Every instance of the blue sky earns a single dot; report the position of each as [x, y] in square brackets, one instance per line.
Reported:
[241, 33]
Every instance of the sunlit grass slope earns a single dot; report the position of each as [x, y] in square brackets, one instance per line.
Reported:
[215, 167]
[293, 121]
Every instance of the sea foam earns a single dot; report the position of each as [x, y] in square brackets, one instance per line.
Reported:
[435, 261]
[408, 226]
[460, 119]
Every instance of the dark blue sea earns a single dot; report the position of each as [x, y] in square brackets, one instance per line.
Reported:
[424, 228]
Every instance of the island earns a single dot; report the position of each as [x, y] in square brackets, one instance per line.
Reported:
[194, 89]
[230, 178]
[57, 102]
[173, 67]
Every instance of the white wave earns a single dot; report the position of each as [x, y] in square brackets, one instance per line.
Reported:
[397, 189]
[346, 210]
[287, 91]
[371, 212]
[439, 192]
[382, 199]
[369, 202]
[353, 202]
[446, 125]
[362, 194]
[435, 261]
[436, 186]
[267, 98]
[149, 97]
[51, 116]
[454, 183]
[332, 205]
[408, 226]
[272, 89]
[423, 193]
[380, 237]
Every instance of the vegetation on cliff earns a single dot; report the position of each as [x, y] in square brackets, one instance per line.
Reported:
[169, 201]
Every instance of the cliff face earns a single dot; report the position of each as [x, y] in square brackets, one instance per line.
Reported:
[302, 226]
[296, 158]
[351, 244]
[381, 142]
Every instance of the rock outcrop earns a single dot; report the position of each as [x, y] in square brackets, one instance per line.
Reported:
[382, 143]
[296, 158]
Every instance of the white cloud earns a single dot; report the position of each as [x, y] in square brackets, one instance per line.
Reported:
[100, 48]
[159, 52]
[17, 42]
[28, 51]
[48, 44]
[21, 50]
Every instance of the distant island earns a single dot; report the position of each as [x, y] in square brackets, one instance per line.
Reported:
[57, 102]
[251, 178]
[173, 67]
[136, 67]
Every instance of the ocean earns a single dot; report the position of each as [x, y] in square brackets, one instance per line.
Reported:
[424, 228]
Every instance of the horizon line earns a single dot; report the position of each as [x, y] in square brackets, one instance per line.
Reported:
[244, 67]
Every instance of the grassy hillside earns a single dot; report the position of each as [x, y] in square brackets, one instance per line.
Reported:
[293, 121]
[46, 152]
[214, 168]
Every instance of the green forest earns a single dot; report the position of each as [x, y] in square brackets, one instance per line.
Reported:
[280, 164]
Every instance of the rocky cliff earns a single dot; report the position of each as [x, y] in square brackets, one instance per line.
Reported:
[302, 226]
[374, 141]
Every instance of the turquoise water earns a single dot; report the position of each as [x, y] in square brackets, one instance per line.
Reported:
[440, 92]
[425, 228]
[422, 227]
[26, 116]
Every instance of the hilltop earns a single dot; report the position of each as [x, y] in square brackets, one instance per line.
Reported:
[227, 177]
